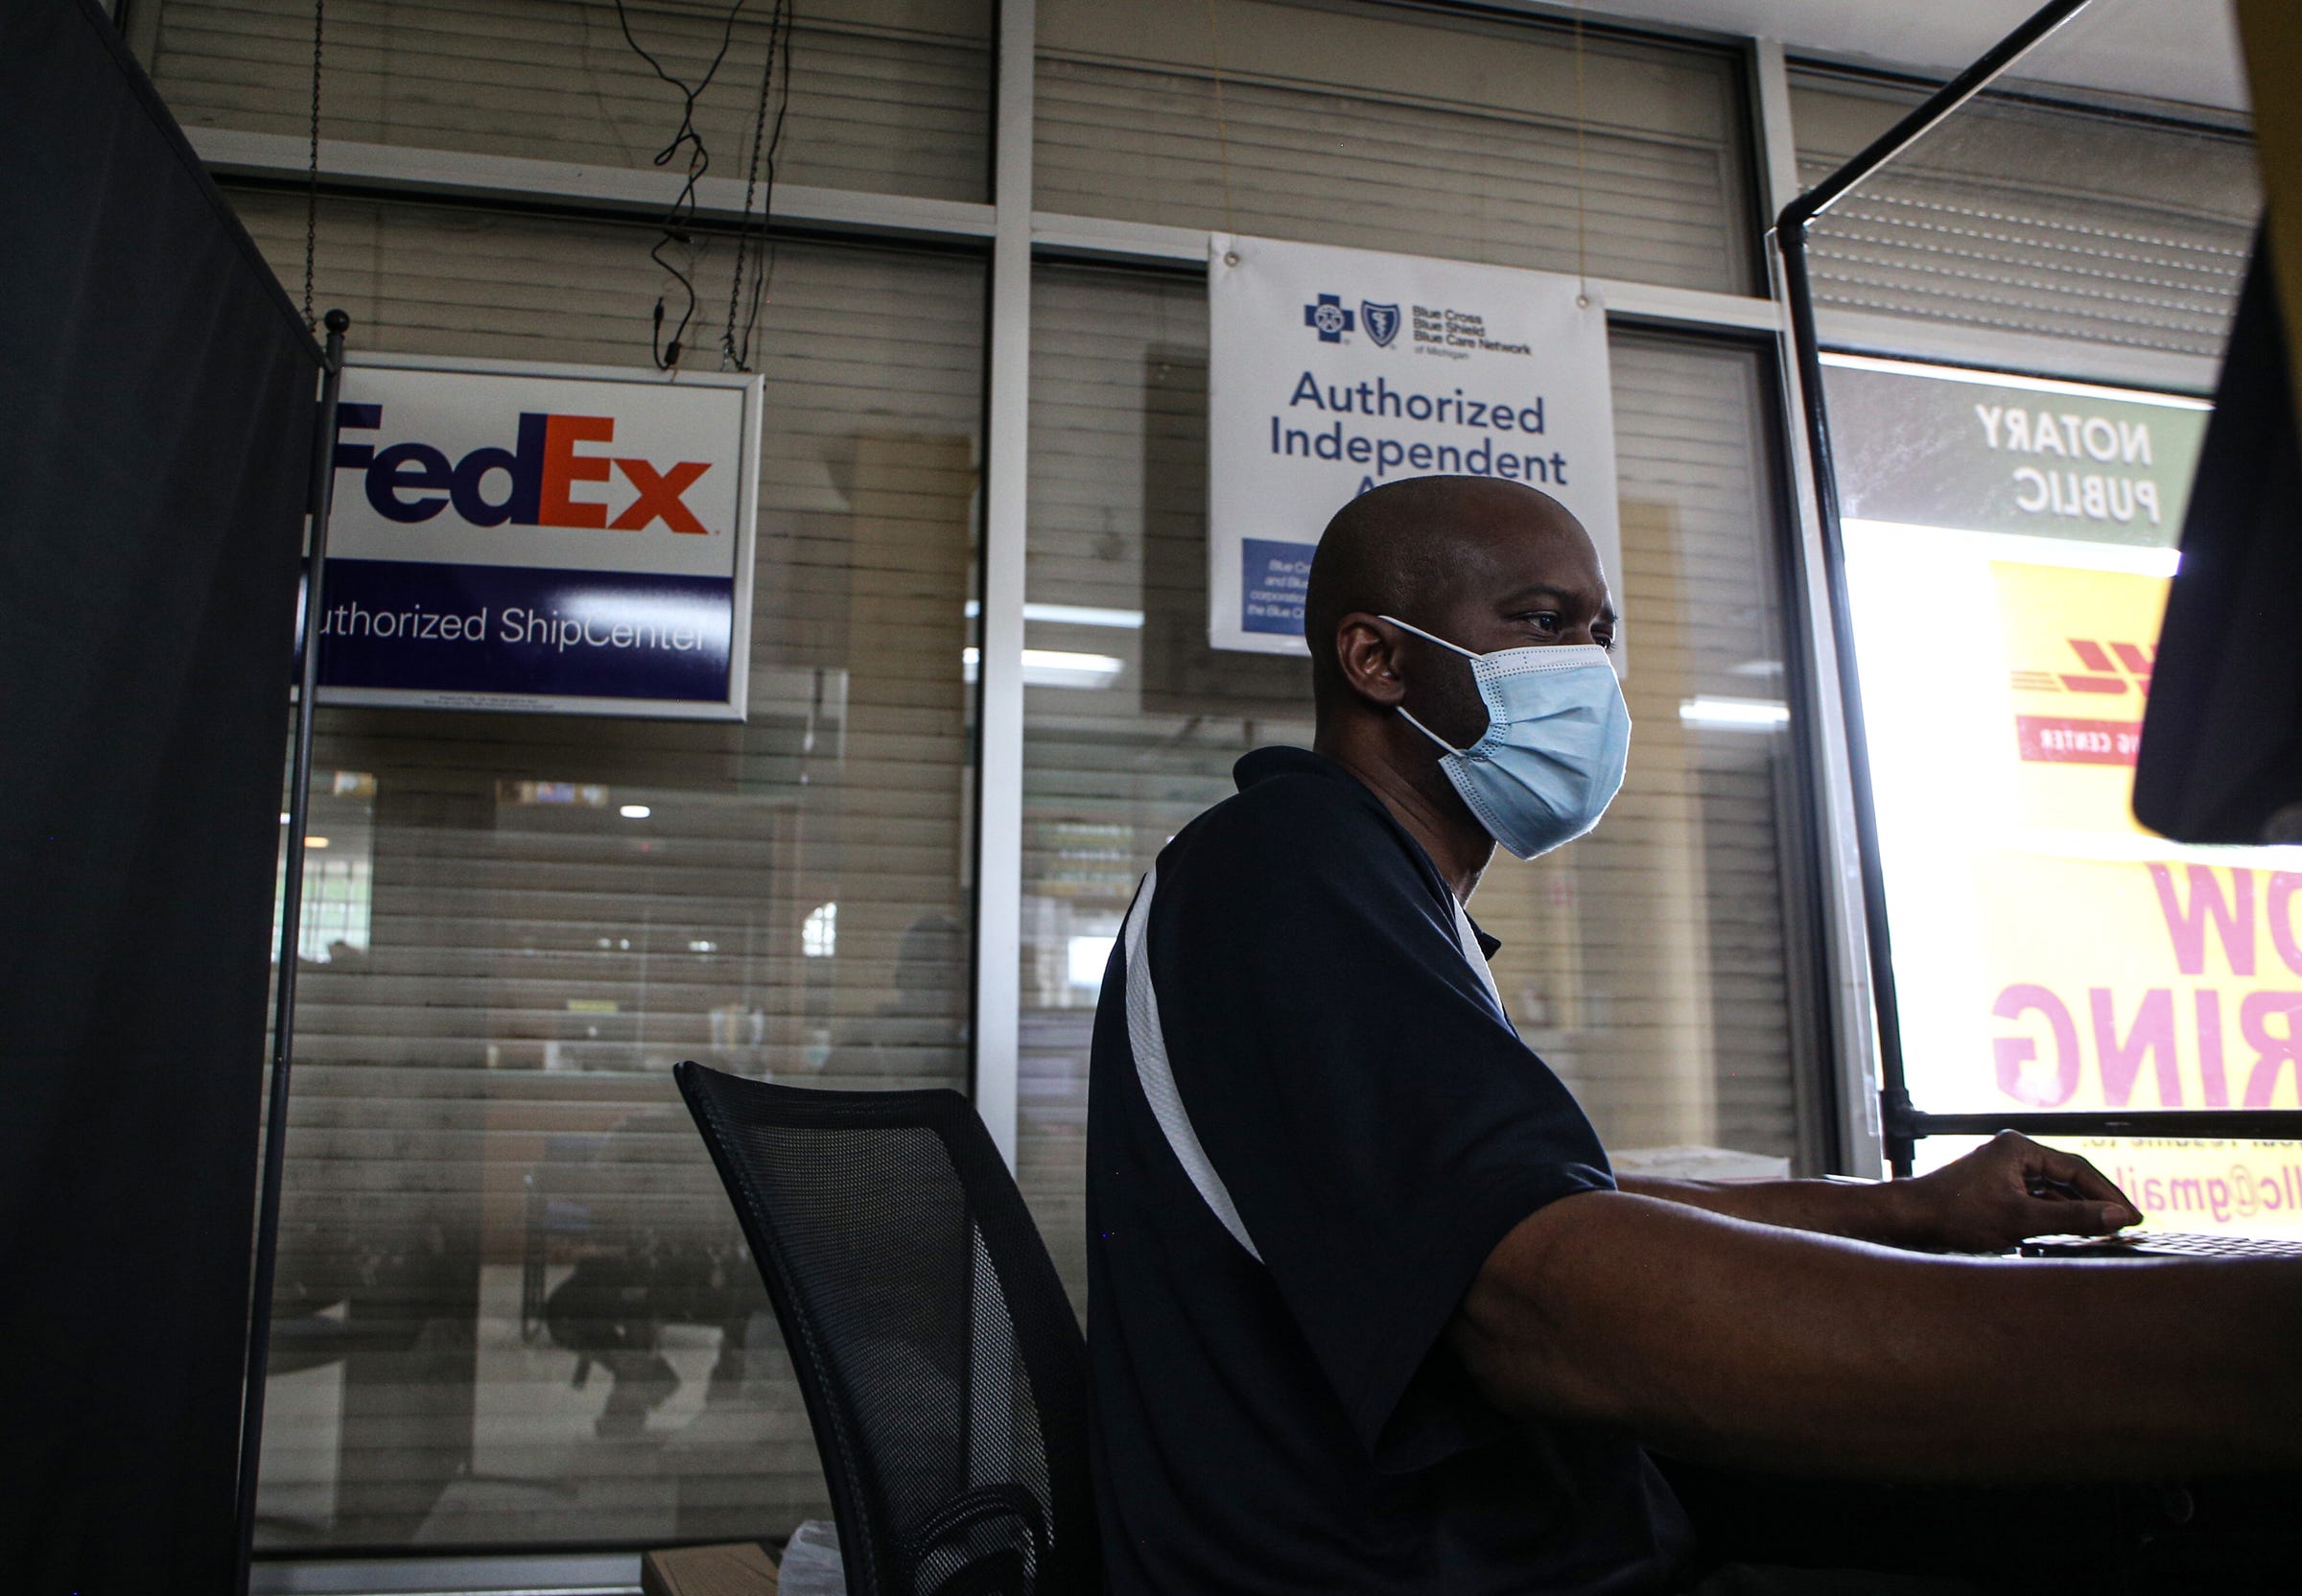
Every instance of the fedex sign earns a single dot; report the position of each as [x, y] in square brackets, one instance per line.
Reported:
[556, 538]
[538, 476]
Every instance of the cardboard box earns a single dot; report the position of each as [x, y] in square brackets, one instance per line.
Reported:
[739, 1568]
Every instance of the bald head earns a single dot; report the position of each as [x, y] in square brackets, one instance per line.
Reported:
[1482, 562]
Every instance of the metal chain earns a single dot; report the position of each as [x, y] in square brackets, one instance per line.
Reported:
[735, 352]
[728, 355]
[1582, 226]
[312, 170]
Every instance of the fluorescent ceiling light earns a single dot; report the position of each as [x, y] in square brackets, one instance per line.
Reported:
[2000, 379]
[1073, 615]
[635, 811]
[2142, 559]
[315, 842]
[1056, 667]
[1760, 714]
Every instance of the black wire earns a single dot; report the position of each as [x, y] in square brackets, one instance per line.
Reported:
[676, 223]
[735, 349]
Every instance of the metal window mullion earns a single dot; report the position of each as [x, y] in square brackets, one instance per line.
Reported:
[999, 712]
[618, 194]
[391, 171]
[1853, 1018]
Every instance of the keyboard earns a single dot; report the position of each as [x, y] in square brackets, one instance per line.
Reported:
[2162, 1244]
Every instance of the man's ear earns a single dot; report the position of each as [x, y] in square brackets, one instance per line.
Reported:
[1367, 648]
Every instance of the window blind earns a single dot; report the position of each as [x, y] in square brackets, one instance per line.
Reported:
[888, 96]
[1388, 128]
[1654, 964]
[514, 1305]
[2025, 218]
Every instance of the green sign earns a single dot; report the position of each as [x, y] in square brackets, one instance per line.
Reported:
[1932, 447]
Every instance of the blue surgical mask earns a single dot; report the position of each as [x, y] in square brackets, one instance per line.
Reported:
[1557, 735]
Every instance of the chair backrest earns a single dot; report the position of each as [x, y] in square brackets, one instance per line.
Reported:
[943, 1373]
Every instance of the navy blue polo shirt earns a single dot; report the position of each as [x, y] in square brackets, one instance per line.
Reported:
[1287, 1418]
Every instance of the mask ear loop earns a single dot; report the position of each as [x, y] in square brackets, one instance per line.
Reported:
[1428, 732]
[1444, 644]
[1426, 637]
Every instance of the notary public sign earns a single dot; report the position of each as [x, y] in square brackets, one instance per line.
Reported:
[1332, 371]
[558, 539]
[1937, 446]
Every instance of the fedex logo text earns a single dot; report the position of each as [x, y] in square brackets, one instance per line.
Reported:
[535, 482]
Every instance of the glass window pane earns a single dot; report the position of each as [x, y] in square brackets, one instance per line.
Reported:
[889, 95]
[2009, 547]
[1112, 767]
[514, 1305]
[1654, 964]
[1383, 127]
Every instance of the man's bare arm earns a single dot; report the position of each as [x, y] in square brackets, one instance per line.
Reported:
[2009, 1188]
[1763, 1348]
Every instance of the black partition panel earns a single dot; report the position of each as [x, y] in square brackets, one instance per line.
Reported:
[156, 413]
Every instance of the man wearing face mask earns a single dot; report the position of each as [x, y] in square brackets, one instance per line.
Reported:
[1367, 1310]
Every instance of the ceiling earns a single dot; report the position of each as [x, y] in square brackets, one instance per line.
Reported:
[2178, 49]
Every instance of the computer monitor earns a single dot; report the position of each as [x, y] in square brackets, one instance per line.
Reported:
[2222, 740]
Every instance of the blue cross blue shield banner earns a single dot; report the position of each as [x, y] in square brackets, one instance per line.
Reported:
[1334, 371]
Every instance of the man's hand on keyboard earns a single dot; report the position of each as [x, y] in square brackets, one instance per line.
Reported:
[2009, 1188]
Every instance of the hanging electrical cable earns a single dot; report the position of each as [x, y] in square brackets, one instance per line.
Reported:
[677, 224]
[766, 143]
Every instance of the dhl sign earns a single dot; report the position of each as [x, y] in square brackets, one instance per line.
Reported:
[554, 538]
[2079, 645]
[2116, 669]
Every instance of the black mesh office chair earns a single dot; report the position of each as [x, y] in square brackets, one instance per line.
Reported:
[944, 1373]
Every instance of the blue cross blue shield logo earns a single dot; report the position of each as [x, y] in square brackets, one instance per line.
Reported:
[1329, 317]
[1382, 321]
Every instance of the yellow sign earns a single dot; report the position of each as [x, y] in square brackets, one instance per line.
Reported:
[2050, 953]
[2128, 983]
[2080, 644]
[2140, 984]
